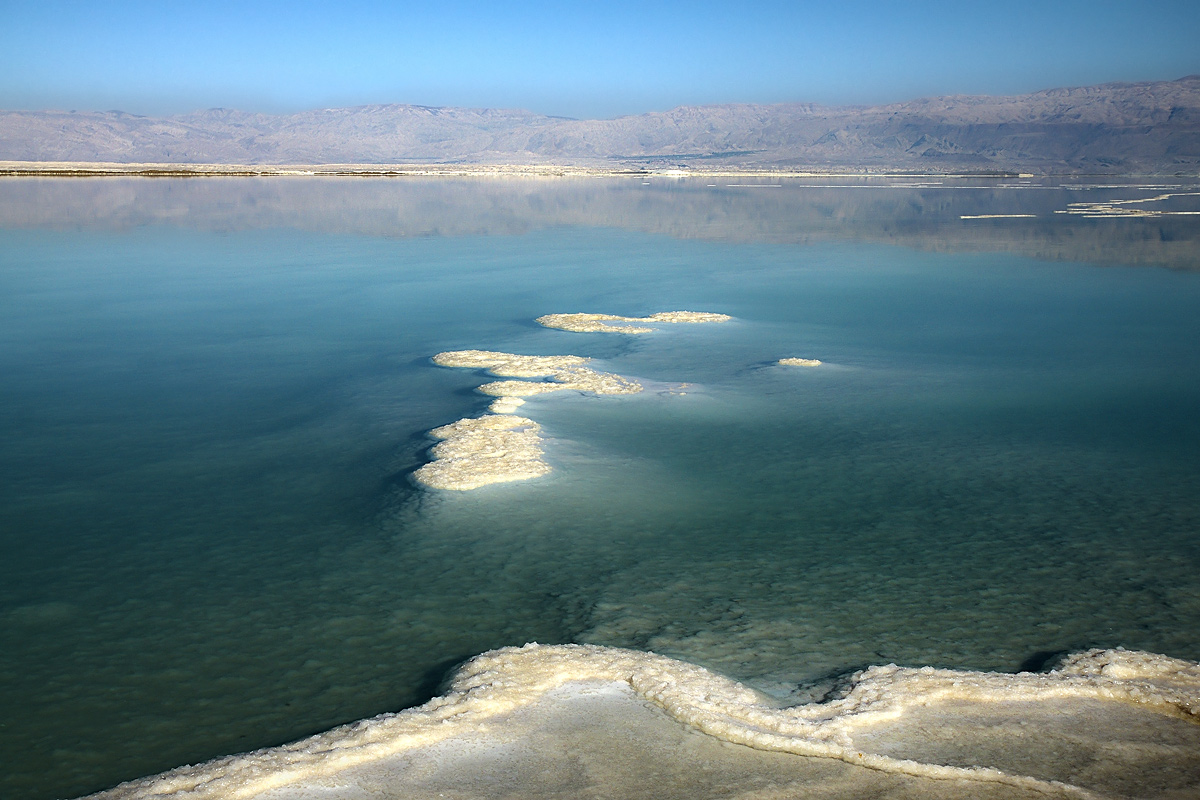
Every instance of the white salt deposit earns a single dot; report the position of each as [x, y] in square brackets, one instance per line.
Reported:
[564, 372]
[1120, 208]
[493, 448]
[996, 216]
[599, 323]
[497, 448]
[799, 362]
[505, 405]
[521, 722]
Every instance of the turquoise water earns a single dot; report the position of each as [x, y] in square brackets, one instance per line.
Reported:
[210, 542]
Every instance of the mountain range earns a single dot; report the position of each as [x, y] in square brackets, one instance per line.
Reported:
[1151, 127]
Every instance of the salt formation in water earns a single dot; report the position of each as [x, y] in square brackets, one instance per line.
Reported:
[799, 362]
[1121, 208]
[489, 449]
[997, 216]
[505, 405]
[598, 323]
[564, 372]
[580, 720]
[496, 448]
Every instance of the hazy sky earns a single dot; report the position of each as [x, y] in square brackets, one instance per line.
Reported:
[592, 59]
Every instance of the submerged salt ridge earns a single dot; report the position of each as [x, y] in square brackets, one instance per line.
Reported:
[864, 726]
[478, 451]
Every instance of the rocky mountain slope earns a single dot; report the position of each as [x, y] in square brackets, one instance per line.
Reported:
[1118, 127]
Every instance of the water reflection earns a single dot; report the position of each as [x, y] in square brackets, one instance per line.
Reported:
[1037, 219]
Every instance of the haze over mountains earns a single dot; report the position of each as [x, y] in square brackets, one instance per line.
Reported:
[1111, 128]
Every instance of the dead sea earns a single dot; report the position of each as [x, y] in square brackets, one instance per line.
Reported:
[957, 557]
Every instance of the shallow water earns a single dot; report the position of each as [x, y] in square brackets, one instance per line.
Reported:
[211, 544]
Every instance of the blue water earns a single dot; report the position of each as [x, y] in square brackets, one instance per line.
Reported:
[207, 421]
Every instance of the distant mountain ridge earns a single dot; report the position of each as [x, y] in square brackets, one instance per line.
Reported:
[1115, 127]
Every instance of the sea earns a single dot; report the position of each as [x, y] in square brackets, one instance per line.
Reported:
[214, 392]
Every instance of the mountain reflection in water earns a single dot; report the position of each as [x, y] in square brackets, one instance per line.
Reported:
[935, 214]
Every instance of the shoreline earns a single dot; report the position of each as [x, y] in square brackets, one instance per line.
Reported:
[88, 169]
[878, 725]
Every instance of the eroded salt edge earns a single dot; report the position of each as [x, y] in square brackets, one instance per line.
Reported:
[501, 681]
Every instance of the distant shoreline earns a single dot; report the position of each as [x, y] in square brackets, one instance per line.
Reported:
[86, 169]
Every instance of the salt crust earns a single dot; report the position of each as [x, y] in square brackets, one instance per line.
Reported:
[997, 216]
[564, 372]
[798, 362]
[496, 447]
[1119, 208]
[505, 405]
[598, 323]
[490, 449]
[492, 686]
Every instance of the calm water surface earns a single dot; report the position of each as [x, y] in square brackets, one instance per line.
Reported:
[214, 392]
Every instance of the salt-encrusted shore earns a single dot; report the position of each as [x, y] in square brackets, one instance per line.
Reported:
[515, 722]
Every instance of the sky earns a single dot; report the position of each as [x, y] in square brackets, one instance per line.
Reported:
[586, 60]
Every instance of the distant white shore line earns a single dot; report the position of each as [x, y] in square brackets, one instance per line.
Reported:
[83, 169]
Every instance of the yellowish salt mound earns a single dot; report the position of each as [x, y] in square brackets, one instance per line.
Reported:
[520, 388]
[586, 721]
[565, 371]
[580, 379]
[489, 449]
[601, 323]
[799, 362]
[508, 365]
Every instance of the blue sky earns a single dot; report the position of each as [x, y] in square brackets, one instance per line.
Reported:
[573, 59]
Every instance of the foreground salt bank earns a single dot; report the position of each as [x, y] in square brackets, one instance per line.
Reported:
[585, 721]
